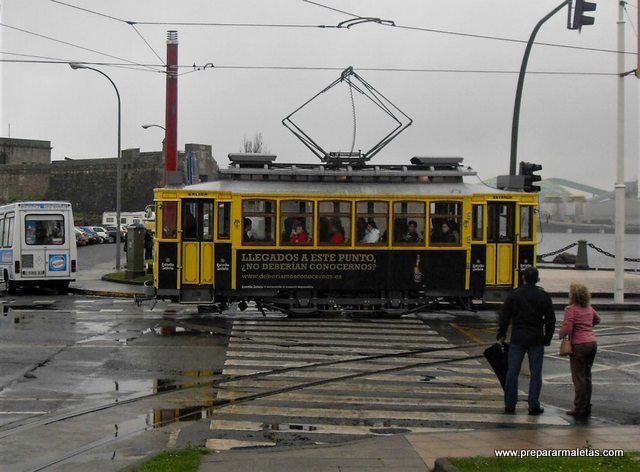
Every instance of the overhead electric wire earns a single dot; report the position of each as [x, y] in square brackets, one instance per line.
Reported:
[49, 38]
[147, 43]
[308, 68]
[287, 25]
[624, 5]
[57, 60]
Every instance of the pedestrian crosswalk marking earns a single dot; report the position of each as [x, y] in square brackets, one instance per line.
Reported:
[331, 376]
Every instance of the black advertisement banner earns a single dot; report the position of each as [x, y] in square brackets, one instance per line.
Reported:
[350, 270]
[167, 265]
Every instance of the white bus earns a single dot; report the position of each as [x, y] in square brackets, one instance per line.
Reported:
[37, 245]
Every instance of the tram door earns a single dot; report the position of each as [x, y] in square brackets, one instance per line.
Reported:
[500, 242]
[197, 242]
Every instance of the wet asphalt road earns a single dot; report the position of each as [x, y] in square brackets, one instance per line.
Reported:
[92, 383]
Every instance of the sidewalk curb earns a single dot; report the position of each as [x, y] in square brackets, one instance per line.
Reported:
[105, 293]
[443, 464]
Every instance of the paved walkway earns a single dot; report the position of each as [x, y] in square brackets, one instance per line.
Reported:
[418, 452]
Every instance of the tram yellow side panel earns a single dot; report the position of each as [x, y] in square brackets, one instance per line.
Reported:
[505, 264]
[491, 265]
[206, 263]
[190, 259]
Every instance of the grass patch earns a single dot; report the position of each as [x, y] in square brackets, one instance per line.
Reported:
[180, 460]
[630, 462]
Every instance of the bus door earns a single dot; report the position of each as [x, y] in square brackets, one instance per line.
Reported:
[197, 242]
[500, 243]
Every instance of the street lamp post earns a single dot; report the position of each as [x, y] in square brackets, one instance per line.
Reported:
[74, 66]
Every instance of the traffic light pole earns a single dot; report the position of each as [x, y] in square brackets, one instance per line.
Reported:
[523, 69]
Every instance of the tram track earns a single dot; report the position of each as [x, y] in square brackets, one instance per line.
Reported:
[218, 404]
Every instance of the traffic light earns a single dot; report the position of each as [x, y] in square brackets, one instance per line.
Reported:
[527, 170]
[579, 19]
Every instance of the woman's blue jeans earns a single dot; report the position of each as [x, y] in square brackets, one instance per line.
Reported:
[516, 356]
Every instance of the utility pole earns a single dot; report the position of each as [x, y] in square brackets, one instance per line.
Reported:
[618, 290]
[171, 115]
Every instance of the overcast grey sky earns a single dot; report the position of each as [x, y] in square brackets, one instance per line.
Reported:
[567, 124]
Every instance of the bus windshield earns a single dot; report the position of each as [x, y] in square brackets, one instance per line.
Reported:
[44, 230]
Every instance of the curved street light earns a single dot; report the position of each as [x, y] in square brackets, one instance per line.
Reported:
[147, 126]
[75, 65]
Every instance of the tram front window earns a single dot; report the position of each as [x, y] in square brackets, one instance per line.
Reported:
[334, 223]
[169, 220]
[259, 217]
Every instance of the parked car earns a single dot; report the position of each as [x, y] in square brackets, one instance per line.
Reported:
[113, 232]
[81, 237]
[104, 234]
[95, 238]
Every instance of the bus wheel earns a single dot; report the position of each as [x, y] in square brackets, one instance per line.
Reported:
[63, 288]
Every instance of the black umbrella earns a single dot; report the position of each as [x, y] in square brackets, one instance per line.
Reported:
[498, 357]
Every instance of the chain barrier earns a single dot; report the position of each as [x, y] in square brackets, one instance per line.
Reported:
[555, 253]
[592, 246]
[608, 254]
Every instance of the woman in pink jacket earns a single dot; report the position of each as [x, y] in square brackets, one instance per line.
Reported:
[579, 320]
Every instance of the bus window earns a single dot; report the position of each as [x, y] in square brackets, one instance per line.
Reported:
[7, 234]
[296, 222]
[224, 218]
[444, 220]
[478, 222]
[1, 230]
[169, 220]
[408, 222]
[372, 222]
[43, 230]
[334, 222]
[259, 217]
[526, 222]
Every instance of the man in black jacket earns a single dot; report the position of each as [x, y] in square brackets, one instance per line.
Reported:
[530, 312]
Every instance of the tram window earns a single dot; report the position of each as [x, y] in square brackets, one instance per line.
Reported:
[296, 221]
[334, 222]
[500, 223]
[372, 222]
[444, 221]
[408, 222]
[207, 221]
[478, 222]
[526, 222]
[190, 218]
[169, 219]
[224, 219]
[259, 218]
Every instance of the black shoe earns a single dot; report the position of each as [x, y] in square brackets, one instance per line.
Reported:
[510, 410]
[536, 411]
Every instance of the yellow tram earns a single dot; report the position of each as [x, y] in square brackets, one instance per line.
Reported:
[307, 238]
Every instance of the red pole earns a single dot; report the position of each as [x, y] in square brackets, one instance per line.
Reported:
[171, 123]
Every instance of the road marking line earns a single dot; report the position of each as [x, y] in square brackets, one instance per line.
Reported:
[226, 444]
[111, 310]
[173, 439]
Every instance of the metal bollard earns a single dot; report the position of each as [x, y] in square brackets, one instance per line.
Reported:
[582, 261]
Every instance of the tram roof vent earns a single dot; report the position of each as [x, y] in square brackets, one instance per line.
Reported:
[438, 163]
[251, 159]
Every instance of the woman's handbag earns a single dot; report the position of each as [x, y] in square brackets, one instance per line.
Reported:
[566, 348]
